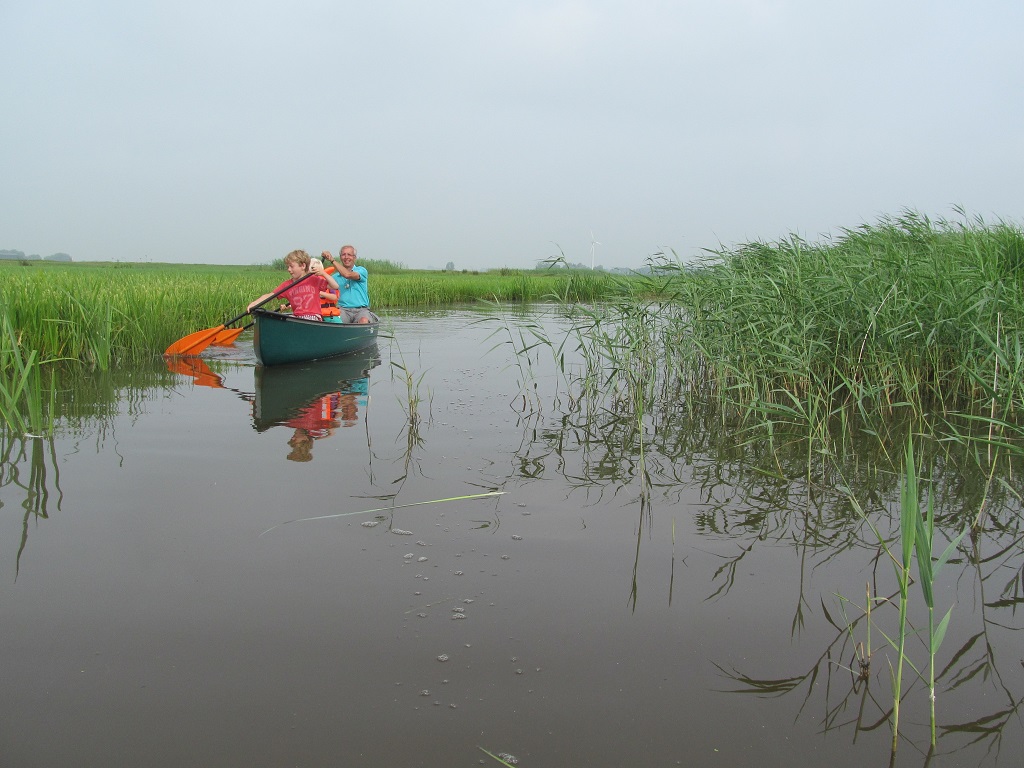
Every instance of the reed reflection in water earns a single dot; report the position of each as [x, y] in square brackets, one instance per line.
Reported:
[680, 609]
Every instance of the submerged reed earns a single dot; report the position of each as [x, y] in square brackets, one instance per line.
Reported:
[916, 540]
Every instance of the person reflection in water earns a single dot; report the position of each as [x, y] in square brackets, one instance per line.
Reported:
[314, 422]
[348, 409]
[302, 446]
[324, 415]
[351, 399]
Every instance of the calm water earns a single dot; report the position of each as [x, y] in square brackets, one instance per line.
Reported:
[164, 600]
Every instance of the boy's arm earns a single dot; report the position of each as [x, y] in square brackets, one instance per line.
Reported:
[260, 300]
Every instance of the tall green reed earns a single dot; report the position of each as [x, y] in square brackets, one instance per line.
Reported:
[22, 404]
[916, 540]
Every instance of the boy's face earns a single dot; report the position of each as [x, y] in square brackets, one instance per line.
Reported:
[348, 258]
[295, 269]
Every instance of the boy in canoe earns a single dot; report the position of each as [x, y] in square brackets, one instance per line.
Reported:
[304, 295]
[354, 301]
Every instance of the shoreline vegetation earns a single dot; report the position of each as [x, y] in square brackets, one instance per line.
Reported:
[104, 313]
[906, 314]
[906, 311]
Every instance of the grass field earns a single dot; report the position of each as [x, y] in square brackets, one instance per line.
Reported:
[100, 313]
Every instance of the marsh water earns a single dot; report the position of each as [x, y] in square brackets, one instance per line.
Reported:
[430, 555]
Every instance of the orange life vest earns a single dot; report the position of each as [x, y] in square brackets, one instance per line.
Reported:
[329, 306]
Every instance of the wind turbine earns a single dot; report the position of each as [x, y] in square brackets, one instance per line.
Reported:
[593, 243]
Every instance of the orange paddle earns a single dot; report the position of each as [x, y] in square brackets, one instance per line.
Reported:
[227, 337]
[196, 342]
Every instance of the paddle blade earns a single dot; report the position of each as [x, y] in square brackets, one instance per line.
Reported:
[194, 343]
[227, 337]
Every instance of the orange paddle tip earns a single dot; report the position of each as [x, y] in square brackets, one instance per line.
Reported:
[194, 343]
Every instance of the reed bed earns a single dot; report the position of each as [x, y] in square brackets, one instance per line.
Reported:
[907, 313]
[102, 314]
[909, 317]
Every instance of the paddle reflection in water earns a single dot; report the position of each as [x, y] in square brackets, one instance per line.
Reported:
[197, 368]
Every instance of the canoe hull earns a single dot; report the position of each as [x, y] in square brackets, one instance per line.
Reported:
[281, 339]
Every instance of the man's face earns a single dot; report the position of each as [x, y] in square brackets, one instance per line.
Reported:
[348, 257]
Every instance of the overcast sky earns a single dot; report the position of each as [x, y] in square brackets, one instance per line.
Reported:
[495, 133]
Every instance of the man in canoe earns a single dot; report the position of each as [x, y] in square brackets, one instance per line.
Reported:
[307, 281]
[354, 301]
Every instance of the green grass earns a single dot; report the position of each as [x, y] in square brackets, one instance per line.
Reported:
[907, 318]
[908, 312]
[106, 313]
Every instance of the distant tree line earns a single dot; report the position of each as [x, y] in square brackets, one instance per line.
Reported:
[12, 255]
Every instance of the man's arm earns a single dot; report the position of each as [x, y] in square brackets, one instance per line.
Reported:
[319, 270]
[348, 274]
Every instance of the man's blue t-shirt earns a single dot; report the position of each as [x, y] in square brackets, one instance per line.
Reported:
[353, 292]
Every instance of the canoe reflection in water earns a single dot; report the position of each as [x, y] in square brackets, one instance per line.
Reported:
[314, 399]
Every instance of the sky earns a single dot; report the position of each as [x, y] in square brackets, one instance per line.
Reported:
[496, 133]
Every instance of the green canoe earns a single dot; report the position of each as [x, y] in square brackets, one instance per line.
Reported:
[281, 339]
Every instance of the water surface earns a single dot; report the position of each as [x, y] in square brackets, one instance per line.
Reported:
[165, 601]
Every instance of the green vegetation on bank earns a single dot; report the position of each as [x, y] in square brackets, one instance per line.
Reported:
[907, 311]
[105, 313]
[907, 316]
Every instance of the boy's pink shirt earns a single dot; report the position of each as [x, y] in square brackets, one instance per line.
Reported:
[304, 297]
